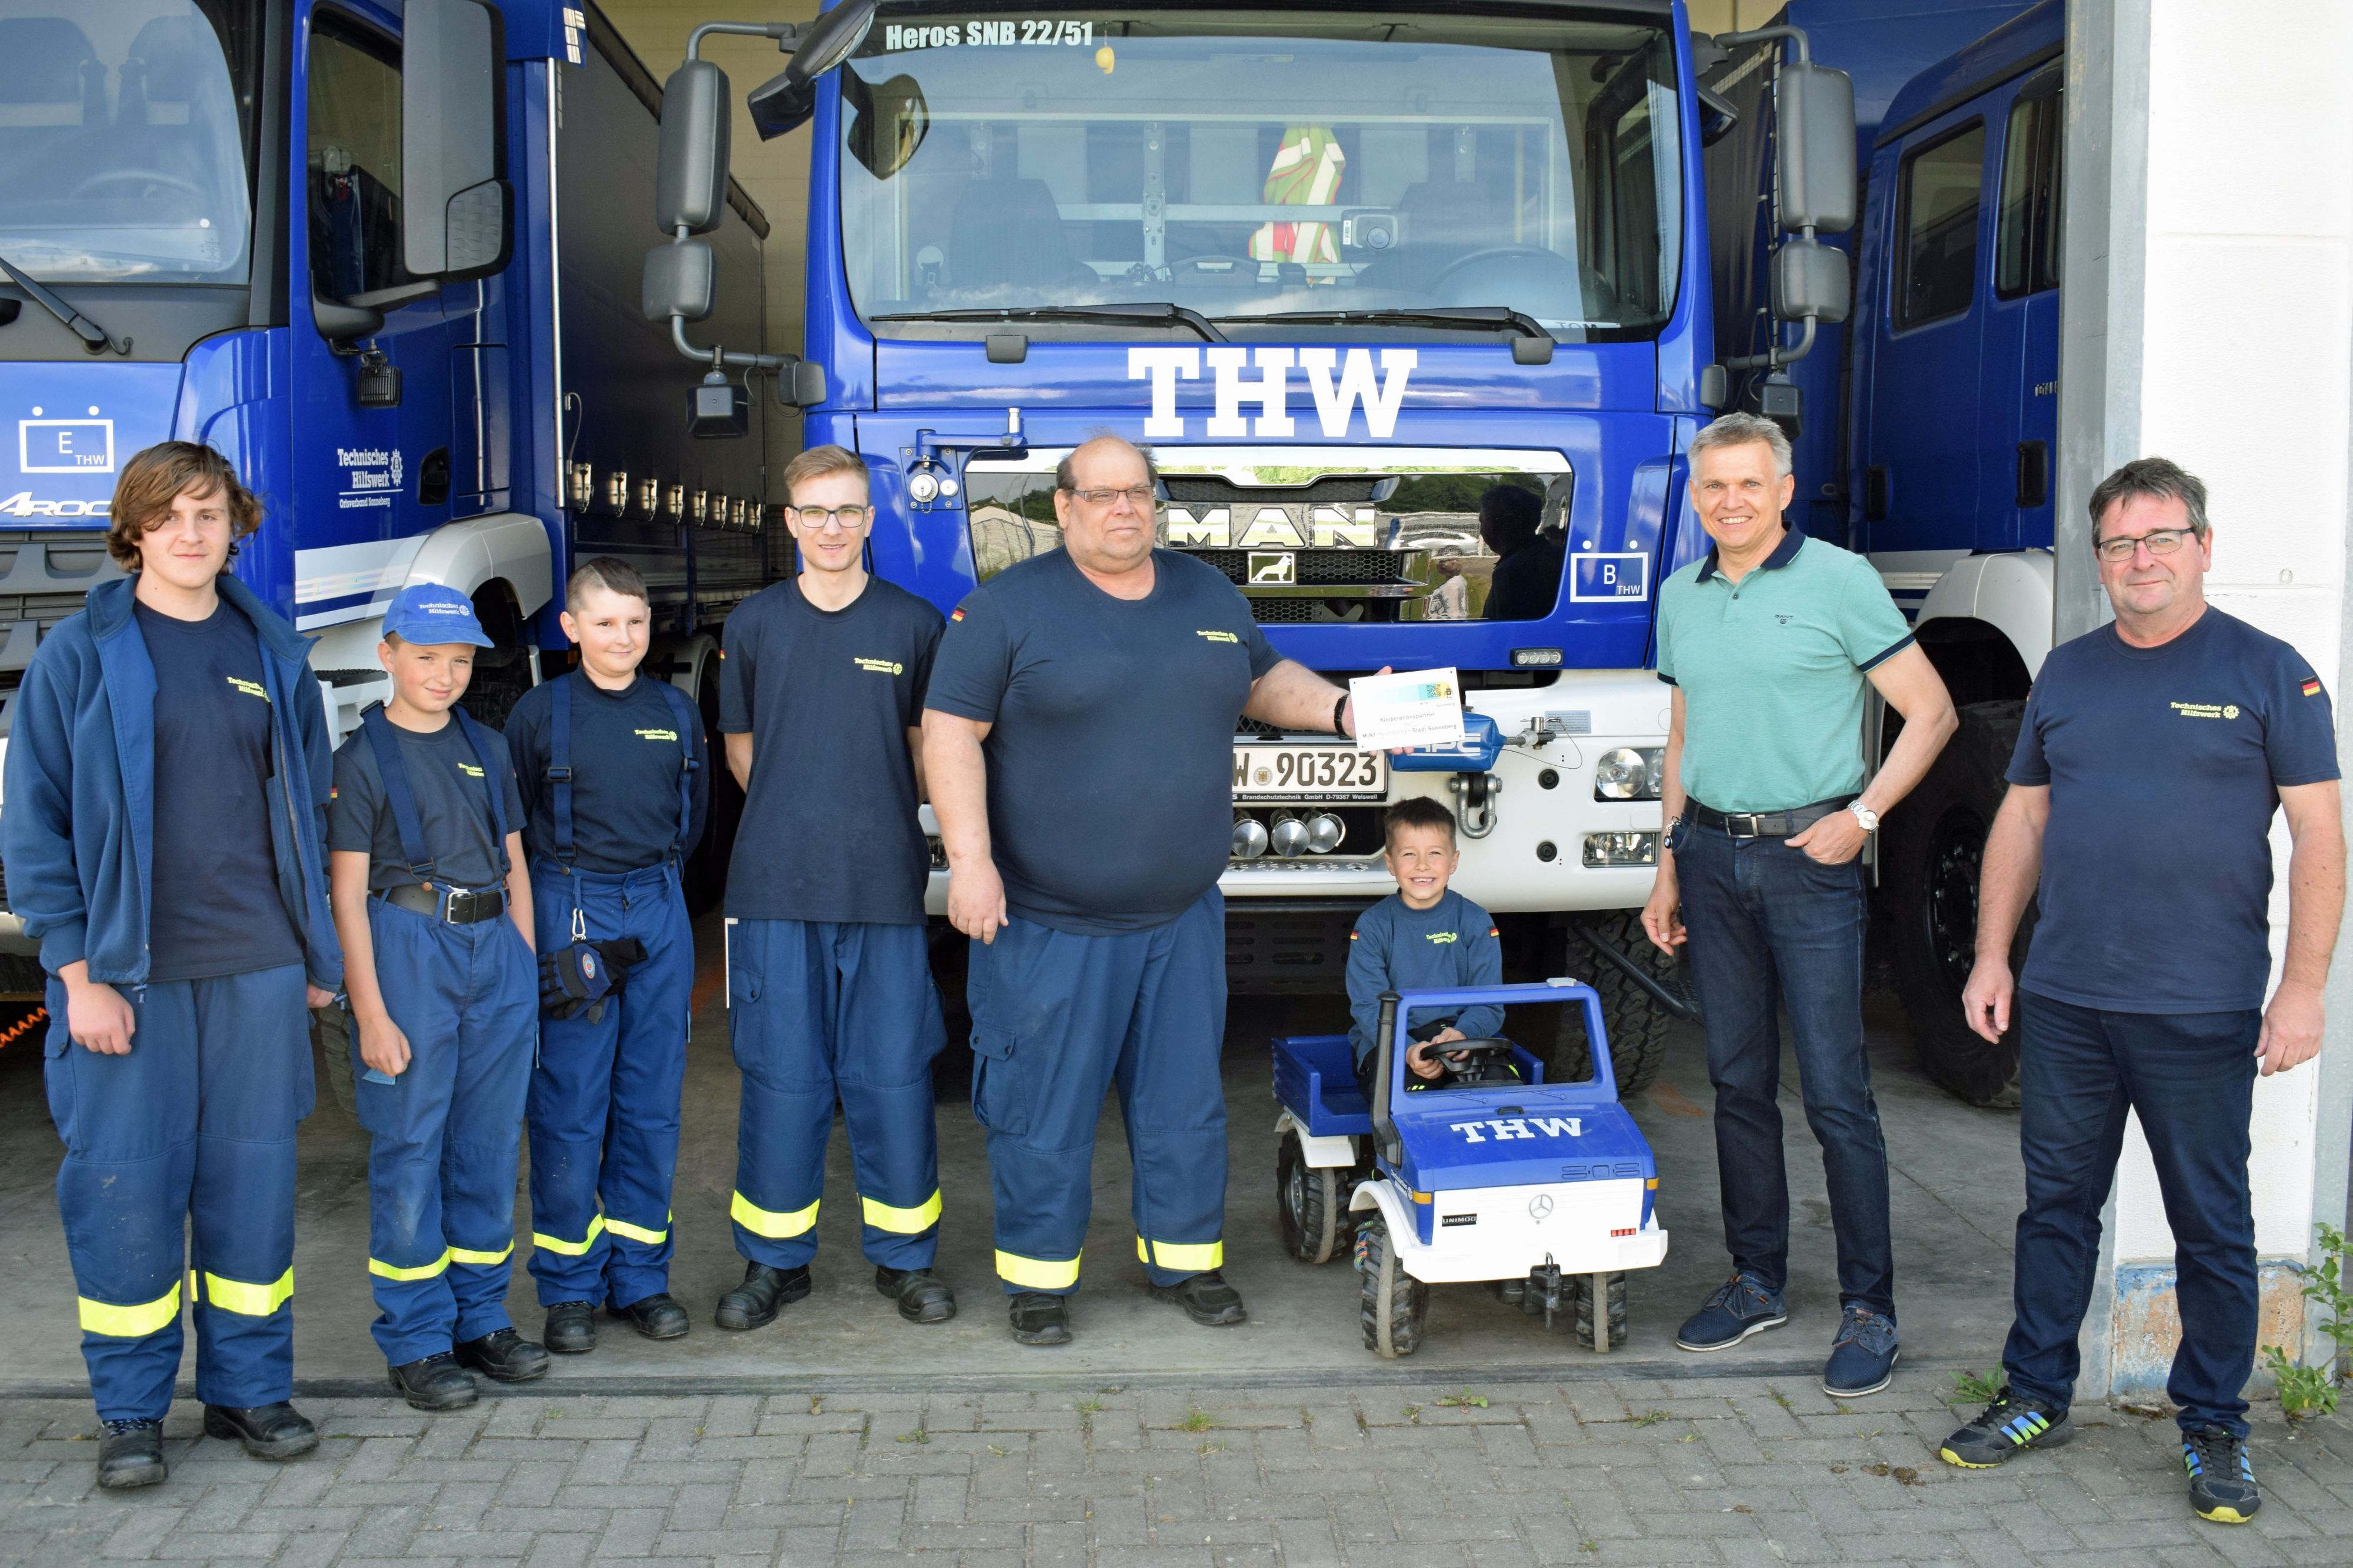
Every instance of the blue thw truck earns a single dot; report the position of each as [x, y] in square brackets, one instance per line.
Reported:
[1350, 274]
[368, 251]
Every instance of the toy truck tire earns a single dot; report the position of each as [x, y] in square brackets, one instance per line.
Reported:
[1392, 1302]
[1934, 848]
[1309, 1202]
[1615, 1314]
[1635, 1024]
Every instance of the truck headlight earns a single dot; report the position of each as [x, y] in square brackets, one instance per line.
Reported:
[1607, 850]
[1629, 773]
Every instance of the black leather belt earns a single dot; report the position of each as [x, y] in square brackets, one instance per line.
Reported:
[454, 905]
[1763, 824]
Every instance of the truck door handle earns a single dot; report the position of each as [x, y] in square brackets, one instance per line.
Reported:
[1875, 494]
[2034, 473]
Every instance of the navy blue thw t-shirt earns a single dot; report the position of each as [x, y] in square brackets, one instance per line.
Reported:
[627, 752]
[1451, 946]
[829, 831]
[2164, 765]
[216, 908]
[1111, 754]
[453, 805]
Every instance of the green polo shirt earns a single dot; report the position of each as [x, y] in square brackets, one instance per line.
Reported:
[1771, 672]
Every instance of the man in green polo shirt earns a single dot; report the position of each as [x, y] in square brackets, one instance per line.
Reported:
[1767, 643]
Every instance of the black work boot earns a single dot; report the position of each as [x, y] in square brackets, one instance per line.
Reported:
[434, 1382]
[130, 1454]
[1206, 1299]
[504, 1356]
[923, 1295]
[764, 1293]
[657, 1317]
[1040, 1317]
[267, 1431]
[570, 1329]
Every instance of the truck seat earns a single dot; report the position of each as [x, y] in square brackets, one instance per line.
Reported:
[1007, 234]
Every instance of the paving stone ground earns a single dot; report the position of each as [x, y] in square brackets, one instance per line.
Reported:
[1693, 1470]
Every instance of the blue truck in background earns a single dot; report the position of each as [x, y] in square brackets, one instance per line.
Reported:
[1927, 422]
[364, 249]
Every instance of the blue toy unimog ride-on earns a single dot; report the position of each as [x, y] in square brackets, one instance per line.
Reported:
[1540, 1190]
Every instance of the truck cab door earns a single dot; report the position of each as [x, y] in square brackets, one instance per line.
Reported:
[1921, 483]
[2020, 412]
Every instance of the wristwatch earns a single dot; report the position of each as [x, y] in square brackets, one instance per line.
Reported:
[1864, 814]
[1338, 709]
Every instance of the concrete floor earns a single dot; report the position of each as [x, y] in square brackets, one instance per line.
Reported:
[1956, 1190]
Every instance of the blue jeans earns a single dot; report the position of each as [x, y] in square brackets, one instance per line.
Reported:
[1771, 925]
[2191, 1076]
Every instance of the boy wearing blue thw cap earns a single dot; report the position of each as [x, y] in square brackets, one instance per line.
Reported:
[433, 904]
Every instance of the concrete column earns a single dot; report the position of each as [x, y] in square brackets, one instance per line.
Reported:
[2208, 317]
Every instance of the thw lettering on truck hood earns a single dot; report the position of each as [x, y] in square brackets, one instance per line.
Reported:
[1460, 1138]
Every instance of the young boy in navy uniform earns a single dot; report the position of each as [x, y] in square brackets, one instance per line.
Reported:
[830, 982]
[613, 790]
[166, 783]
[1423, 937]
[434, 907]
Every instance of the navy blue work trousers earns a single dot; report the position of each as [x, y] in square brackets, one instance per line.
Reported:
[2191, 1078]
[1058, 1019]
[194, 1129]
[1770, 926]
[605, 1095]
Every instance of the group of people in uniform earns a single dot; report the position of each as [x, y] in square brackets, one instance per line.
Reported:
[502, 915]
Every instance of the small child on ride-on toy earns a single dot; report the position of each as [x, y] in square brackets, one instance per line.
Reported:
[1425, 937]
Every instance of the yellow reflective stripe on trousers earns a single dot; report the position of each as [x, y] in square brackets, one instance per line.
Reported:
[383, 1270]
[1039, 1273]
[252, 1300]
[768, 1222]
[482, 1260]
[639, 1231]
[903, 1222]
[134, 1322]
[570, 1249]
[1191, 1257]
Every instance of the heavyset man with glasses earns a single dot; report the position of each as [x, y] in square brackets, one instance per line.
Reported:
[2152, 754]
[1079, 739]
[829, 975]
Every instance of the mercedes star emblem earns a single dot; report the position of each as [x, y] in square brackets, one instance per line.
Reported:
[1540, 1206]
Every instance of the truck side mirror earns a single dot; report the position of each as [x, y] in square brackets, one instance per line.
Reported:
[786, 102]
[1815, 120]
[690, 173]
[456, 221]
[680, 281]
[1810, 280]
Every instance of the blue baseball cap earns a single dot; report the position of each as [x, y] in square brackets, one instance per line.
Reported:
[428, 613]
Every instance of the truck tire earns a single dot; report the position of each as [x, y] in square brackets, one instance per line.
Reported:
[1616, 1314]
[1636, 1023]
[1391, 1301]
[1307, 1197]
[1933, 849]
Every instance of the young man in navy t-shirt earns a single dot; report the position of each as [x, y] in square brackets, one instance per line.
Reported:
[2151, 758]
[829, 972]
[611, 769]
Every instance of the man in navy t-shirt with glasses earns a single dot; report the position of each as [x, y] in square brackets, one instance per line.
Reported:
[1078, 735]
[2152, 754]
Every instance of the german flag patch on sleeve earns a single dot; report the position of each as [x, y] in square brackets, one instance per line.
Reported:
[2312, 687]
[956, 613]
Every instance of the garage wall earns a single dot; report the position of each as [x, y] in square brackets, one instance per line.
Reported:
[773, 173]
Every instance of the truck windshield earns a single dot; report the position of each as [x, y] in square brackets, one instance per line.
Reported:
[126, 138]
[1255, 163]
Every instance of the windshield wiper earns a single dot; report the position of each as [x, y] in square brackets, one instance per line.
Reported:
[93, 337]
[1110, 315]
[1492, 318]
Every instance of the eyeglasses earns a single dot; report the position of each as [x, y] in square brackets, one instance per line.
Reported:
[2161, 542]
[1138, 495]
[820, 517]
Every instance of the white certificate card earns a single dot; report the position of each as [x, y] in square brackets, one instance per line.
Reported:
[1410, 707]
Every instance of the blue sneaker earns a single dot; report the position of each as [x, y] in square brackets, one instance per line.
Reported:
[2222, 1481]
[1862, 1357]
[1740, 1306]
